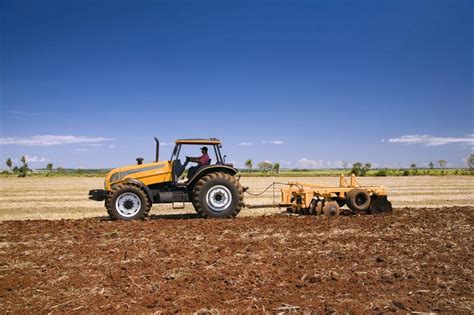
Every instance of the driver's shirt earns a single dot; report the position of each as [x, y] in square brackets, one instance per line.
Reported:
[203, 159]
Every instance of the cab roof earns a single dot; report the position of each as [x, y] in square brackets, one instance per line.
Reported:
[199, 141]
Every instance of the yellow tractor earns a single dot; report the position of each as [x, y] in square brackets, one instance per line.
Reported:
[213, 189]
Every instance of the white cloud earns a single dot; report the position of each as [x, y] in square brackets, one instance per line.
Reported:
[273, 142]
[93, 144]
[43, 140]
[432, 141]
[246, 143]
[117, 147]
[308, 163]
[23, 113]
[35, 159]
[81, 150]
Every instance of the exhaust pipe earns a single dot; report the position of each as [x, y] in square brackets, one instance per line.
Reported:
[157, 149]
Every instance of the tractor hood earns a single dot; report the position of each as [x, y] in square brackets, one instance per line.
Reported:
[140, 172]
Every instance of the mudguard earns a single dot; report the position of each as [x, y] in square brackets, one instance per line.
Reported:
[204, 170]
[139, 184]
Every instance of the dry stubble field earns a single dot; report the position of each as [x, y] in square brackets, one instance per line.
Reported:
[66, 197]
[419, 259]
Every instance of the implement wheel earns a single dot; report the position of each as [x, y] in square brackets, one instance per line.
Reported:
[358, 200]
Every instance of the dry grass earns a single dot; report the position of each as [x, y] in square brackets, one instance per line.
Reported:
[66, 197]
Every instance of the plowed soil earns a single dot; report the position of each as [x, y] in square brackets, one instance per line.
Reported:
[412, 260]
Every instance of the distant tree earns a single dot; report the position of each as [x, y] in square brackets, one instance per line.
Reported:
[15, 169]
[360, 169]
[249, 165]
[413, 167]
[276, 168]
[9, 163]
[49, 167]
[356, 168]
[442, 163]
[431, 165]
[344, 165]
[470, 161]
[60, 170]
[24, 168]
[265, 166]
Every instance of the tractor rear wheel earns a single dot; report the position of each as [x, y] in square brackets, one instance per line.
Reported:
[218, 195]
[358, 200]
[127, 202]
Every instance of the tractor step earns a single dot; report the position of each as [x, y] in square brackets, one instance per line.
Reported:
[178, 205]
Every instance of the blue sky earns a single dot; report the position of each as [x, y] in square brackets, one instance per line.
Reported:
[307, 83]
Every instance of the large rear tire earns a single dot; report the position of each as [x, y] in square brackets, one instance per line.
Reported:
[127, 202]
[218, 195]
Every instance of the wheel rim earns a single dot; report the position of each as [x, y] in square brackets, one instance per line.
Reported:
[360, 199]
[219, 198]
[128, 204]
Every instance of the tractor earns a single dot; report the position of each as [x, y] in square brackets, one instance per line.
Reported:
[213, 189]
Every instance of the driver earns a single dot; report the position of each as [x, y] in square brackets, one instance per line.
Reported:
[201, 161]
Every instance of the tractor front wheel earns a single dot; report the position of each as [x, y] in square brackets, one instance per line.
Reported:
[218, 195]
[127, 202]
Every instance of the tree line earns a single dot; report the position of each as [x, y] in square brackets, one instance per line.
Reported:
[23, 169]
[264, 166]
[358, 168]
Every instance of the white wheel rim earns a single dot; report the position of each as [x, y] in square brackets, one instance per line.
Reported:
[128, 204]
[219, 198]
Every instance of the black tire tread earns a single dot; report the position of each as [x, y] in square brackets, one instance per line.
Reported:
[350, 198]
[138, 190]
[212, 176]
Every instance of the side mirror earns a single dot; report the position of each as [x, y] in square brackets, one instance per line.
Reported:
[224, 158]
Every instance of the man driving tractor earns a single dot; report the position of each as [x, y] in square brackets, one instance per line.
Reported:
[201, 161]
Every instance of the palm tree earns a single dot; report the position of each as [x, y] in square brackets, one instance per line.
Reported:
[24, 168]
[276, 168]
[49, 167]
[431, 165]
[249, 164]
[442, 163]
[9, 164]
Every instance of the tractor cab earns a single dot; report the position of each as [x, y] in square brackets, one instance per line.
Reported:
[186, 148]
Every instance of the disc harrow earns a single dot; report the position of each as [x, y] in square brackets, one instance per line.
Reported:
[314, 199]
